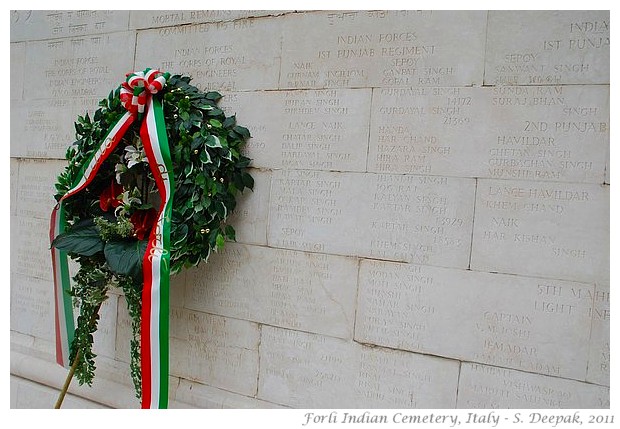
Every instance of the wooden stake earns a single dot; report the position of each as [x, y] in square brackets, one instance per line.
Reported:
[63, 392]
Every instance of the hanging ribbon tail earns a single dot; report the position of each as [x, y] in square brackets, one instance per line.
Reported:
[156, 264]
[63, 309]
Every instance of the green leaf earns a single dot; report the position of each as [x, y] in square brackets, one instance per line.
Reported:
[125, 256]
[230, 233]
[83, 240]
[213, 141]
[219, 241]
[205, 158]
[230, 122]
[248, 181]
[242, 130]
[213, 95]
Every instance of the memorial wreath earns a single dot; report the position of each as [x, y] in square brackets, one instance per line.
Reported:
[150, 182]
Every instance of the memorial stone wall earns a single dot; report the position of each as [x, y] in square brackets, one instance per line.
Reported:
[429, 226]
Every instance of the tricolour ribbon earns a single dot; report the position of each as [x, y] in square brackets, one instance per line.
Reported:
[136, 96]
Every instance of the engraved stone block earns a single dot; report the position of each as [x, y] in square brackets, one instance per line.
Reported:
[424, 219]
[167, 18]
[311, 371]
[88, 66]
[304, 291]
[250, 215]
[333, 49]
[214, 350]
[482, 386]
[552, 133]
[44, 128]
[30, 254]
[536, 325]
[52, 24]
[542, 229]
[18, 58]
[315, 129]
[208, 397]
[35, 188]
[421, 131]
[32, 306]
[599, 358]
[547, 47]
[223, 56]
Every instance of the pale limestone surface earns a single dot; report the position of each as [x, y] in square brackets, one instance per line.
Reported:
[552, 230]
[483, 386]
[332, 49]
[291, 289]
[312, 371]
[313, 129]
[26, 394]
[14, 174]
[18, 58]
[547, 47]
[165, 18]
[214, 350]
[52, 24]
[599, 362]
[550, 133]
[30, 254]
[80, 67]
[424, 219]
[226, 56]
[32, 306]
[252, 211]
[35, 187]
[44, 128]
[532, 324]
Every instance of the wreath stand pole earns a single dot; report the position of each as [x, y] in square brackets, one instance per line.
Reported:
[65, 387]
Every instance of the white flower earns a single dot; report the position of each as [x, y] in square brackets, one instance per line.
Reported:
[135, 156]
[119, 168]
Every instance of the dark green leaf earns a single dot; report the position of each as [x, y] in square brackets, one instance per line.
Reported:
[248, 181]
[213, 95]
[242, 130]
[125, 256]
[213, 141]
[83, 240]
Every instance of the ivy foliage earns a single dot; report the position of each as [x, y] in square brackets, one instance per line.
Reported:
[107, 224]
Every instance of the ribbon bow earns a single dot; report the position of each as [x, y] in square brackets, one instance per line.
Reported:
[136, 95]
[138, 86]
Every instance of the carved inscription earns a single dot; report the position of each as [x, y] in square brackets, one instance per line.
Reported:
[385, 49]
[44, 128]
[317, 129]
[420, 131]
[553, 133]
[484, 386]
[557, 230]
[32, 307]
[547, 47]
[82, 67]
[300, 369]
[296, 290]
[105, 337]
[215, 350]
[222, 56]
[52, 24]
[30, 253]
[599, 360]
[411, 218]
[35, 191]
[532, 324]
[167, 18]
